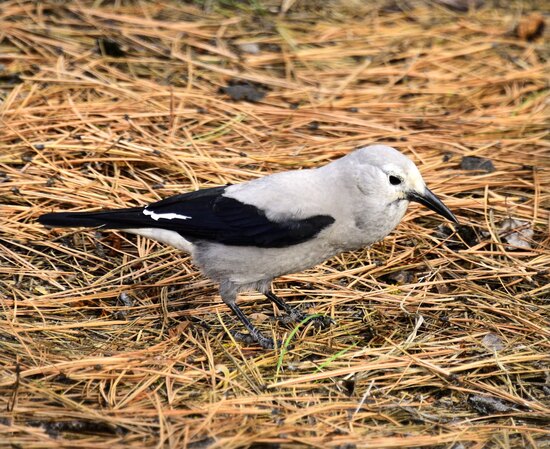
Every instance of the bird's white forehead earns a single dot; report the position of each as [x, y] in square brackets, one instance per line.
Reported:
[392, 161]
[414, 180]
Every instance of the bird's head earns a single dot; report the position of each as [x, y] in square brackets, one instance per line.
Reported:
[394, 178]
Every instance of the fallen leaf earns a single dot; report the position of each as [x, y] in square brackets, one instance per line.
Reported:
[517, 233]
[485, 405]
[399, 277]
[176, 331]
[530, 27]
[493, 342]
[258, 317]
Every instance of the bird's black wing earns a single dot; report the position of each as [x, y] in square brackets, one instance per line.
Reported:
[203, 215]
[218, 218]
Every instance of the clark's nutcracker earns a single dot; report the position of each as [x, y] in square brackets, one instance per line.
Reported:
[243, 236]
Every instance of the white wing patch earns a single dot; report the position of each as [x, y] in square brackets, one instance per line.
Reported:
[169, 216]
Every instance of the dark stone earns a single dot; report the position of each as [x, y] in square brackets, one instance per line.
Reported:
[486, 405]
[109, 47]
[244, 91]
[477, 163]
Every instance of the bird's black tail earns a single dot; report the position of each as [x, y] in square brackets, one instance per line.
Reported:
[111, 219]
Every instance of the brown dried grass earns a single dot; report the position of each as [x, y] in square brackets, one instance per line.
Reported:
[111, 341]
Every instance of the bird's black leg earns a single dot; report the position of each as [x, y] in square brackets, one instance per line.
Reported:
[254, 334]
[295, 314]
[230, 298]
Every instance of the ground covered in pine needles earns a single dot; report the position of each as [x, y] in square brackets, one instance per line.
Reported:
[112, 341]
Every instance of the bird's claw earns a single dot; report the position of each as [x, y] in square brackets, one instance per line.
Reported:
[249, 339]
[321, 321]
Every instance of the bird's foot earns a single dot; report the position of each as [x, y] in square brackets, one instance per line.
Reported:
[296, 316]
[321, 321]
[250, 339]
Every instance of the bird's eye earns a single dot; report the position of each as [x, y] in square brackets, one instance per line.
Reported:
[394, 180]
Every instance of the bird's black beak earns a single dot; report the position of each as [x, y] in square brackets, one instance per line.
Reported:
[432, 202]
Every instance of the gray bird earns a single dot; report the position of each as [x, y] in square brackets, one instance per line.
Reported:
[245, 235]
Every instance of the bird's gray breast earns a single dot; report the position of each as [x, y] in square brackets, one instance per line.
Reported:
[372, 224]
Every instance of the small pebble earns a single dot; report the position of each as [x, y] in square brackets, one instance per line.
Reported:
[251, 48]
[477, 163]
